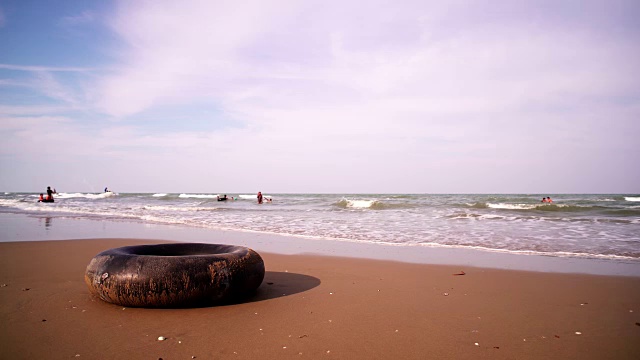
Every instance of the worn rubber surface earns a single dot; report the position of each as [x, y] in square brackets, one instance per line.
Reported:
[174, 275]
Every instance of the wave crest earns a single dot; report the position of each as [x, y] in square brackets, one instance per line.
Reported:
[356, 204]
[198, 196]
[85, 196]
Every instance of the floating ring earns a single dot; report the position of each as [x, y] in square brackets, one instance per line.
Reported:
[174, 275]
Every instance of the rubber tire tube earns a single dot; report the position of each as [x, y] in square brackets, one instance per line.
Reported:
[174, 275]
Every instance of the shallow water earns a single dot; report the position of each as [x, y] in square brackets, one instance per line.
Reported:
[589, 226]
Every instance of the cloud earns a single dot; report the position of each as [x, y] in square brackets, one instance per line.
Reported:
[75, 20]
[52, 88]
[30, 68]
[53, 83]
[234, 55]
[365, 95]
[438, 83]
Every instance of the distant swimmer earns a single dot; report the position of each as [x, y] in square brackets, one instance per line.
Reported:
[549, 200]
[49, 198]
[544, 200]
[259, 197]
[223, 197]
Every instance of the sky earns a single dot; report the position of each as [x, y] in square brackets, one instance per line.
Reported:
[204, 96]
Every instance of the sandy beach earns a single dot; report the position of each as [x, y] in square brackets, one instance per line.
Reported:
[320, 307]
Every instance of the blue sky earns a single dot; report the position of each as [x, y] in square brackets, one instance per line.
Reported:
[316, 96]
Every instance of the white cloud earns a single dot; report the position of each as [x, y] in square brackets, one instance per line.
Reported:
[74, 20]
[43, 68]
[222, 52]
[368, 96]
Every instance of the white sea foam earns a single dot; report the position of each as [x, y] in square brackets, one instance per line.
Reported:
[198, 196]
[159, 195]
[630, 198]
[86, 196]
[11, 202]
[178, 208]
[524, 206]
[359, 204]
[253, 197]
[512, 206]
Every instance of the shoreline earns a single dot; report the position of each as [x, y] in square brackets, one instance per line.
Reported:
[22, 227]
[311, 306]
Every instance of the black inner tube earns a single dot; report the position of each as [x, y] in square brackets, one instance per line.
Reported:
[174, 275]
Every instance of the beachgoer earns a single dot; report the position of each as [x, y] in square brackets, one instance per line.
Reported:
[259, 197]
[49, 193]
[549, 200]
[106, 189]
[41, 198]
[544, 200]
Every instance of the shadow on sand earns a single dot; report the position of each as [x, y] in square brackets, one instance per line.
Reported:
[275, 285]
[279, 284]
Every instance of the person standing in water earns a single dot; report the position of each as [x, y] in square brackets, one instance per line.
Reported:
[259, 197]
[49, 193]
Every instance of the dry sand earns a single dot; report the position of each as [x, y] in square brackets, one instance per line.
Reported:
[320, 307]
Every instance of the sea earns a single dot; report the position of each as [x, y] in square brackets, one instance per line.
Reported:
[598, 226]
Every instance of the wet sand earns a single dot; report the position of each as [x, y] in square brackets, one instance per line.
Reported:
[320, 307]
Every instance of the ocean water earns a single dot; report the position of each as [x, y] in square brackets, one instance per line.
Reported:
[574, 225]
